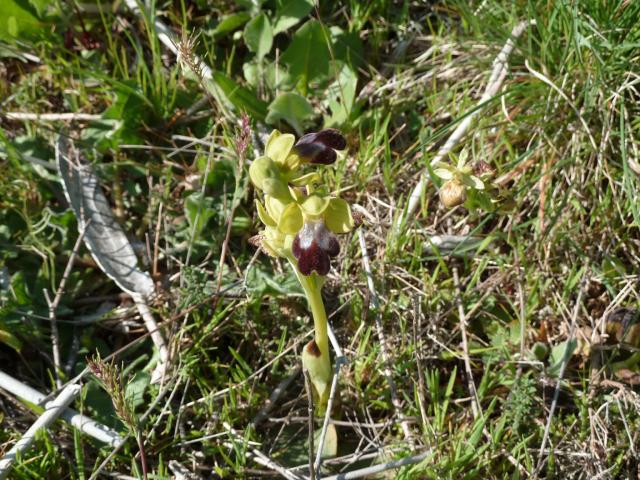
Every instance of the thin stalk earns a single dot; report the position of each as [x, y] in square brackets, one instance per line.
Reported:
[316, 305]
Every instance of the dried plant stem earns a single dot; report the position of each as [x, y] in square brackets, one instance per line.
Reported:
[383, 344]
[556, 392]
[475, 403]
[52, 411]
[156, 336]
[308, 388]
[53, 117]
[498, 75]
[263, 414]
[327, 416]
[55, 339]
[370, 471]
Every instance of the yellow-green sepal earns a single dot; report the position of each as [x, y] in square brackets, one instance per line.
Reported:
[291, 219]
[306, 179]
[265, 218]
[261, 169]
[277, 188]
[337, 216]
[279, 146]
[315, 205]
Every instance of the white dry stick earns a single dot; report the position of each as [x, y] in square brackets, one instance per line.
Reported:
[340, 360]
[498, 75]
[563, 366]
[52, 411]
[327, 415]
[475, 402]
[90, 427]
[369, 472]
[383, 344]
[53, 306]
[53, 117]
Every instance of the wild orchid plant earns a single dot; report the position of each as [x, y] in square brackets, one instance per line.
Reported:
[471, 185]
[300, 219]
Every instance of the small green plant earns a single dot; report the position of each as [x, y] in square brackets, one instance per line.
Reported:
[470, 184]
[300, 220]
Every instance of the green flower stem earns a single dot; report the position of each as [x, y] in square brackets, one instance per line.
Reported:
[312, 289]
[319, 367]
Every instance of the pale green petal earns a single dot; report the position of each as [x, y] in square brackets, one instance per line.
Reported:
[462, 159]
[275, 207]
[315, 205]
[276, 188]
[305, 179]
[291, 219]
[279, 146]
[261, 169]
[443, 173]
[338, 217]
[473, 182]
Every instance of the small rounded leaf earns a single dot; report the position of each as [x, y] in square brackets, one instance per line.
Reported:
[337, 216]
[291, 219]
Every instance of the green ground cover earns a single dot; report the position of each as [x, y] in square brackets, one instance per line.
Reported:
[504, 356]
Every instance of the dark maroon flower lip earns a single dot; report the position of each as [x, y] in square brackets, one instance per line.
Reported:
[320, 147]
[313, 247]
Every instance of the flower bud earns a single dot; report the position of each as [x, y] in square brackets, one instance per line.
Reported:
[452, 193]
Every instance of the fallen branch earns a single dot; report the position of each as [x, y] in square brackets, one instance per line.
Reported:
[83, 423]
[498, 75]
[53, 117]
[52, 411]
[369, 471]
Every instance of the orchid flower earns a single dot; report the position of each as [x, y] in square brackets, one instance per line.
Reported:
[301, 221]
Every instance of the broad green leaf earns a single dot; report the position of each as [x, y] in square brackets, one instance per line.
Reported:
[290, 12]
[347, 47]
[307, 58]
[18, 20]
[341, 96]
[291, 107]
[10, 340]
[560, 354]
[230, 23]
[134, 391]
[330, 447]
[240, 97]
[258, 35]
[198, 210]
[39, 6]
